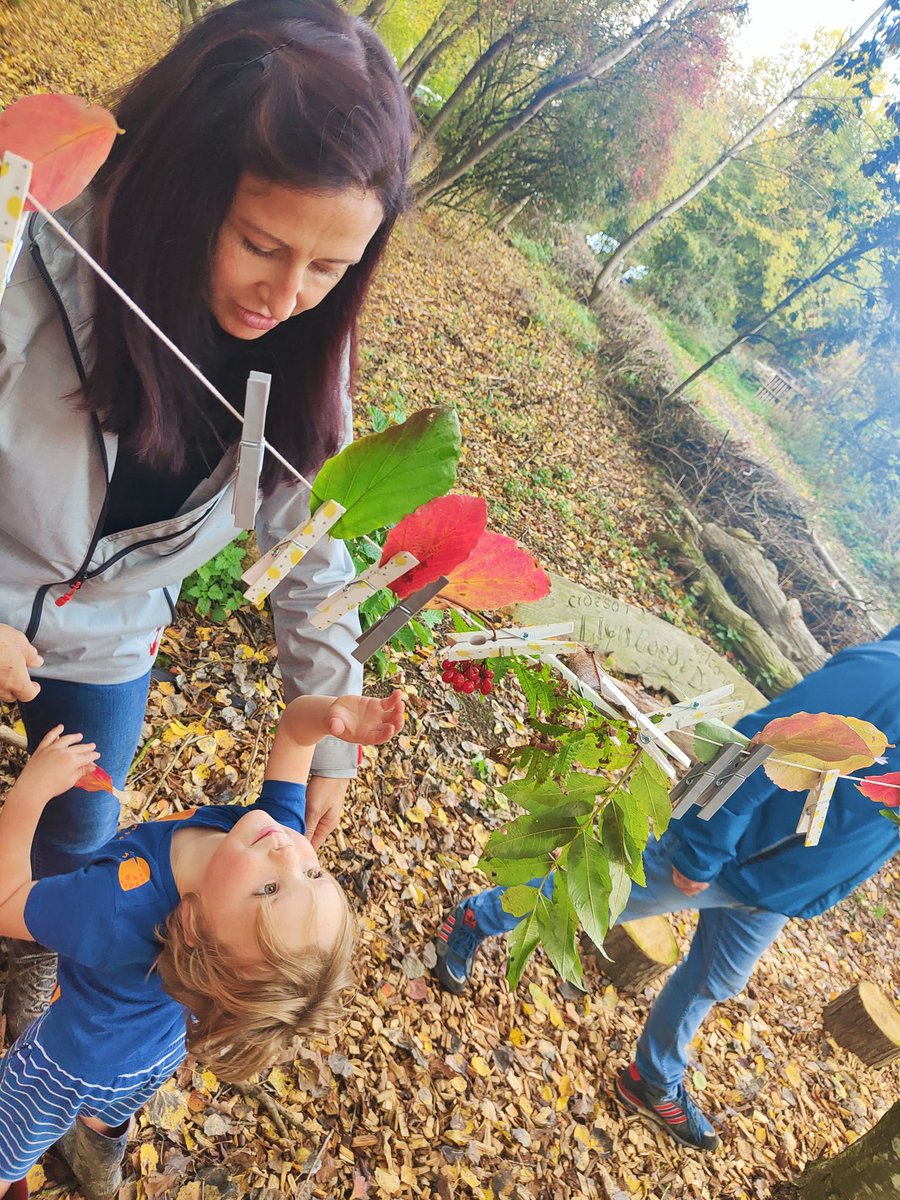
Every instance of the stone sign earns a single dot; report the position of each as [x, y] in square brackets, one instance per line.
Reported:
[638, 643]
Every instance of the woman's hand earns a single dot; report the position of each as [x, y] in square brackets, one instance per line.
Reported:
[57, 764]
[366, 719]
[17, 658]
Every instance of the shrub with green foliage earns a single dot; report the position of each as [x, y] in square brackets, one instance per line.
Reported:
[215, 588]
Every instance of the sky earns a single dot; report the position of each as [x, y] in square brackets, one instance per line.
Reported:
[773, 22]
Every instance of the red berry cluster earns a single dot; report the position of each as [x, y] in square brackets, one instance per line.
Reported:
[468, 677]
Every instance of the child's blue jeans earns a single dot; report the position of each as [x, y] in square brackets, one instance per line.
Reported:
[77, 823]
[727, 944]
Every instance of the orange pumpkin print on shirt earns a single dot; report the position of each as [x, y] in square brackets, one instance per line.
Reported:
[133, 873]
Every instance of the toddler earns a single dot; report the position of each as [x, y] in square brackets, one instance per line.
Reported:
[216, 932]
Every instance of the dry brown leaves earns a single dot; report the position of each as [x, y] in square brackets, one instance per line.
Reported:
[421, 1094]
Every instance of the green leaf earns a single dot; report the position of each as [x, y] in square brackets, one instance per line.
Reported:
[711, 736]
[891, 815]
[519, 901]
[558, 925]
[535, 797]
[510, 872]
[520, 945]
[637, 826]
[590, 884]
[536, 834]
[579, 784]
[650, 788]
[619, 890]
[384, 476]
[619, 847]
[589, 752]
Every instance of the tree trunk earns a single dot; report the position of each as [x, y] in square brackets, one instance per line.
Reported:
[375, 10]
[736, 553]
[639, 952]
[865, 1022]
[445, 178]
[774, 672]
[867, 1170]
[512, 212]
[429, 38]
[861, 245]
[610, 268]
[445, 44]
[456, 97]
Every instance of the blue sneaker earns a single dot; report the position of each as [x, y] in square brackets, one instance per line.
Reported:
[457, 944]
[677, 1114]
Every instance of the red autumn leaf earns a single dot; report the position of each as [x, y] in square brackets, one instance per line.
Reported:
[883, 789]
[64, 138]
[820, 735]
[497, 572]
[441, 534]
[95, 779]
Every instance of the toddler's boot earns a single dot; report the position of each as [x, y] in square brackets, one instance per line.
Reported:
[31, 978]
[95, 1158]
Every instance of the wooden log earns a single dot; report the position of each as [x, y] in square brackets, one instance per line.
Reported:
[639, 952]
[864, 1021]
[736, 554]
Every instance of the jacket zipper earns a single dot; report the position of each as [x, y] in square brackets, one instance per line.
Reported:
[81, 574]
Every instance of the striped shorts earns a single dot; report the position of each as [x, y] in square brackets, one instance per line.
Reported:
[39, 1099]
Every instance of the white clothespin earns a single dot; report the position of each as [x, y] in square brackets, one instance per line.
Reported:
[712, 705]
[611, 691]
[372, 580]
[268, 571]
[651, 747]
[533, 640]
[815, 810]
[15, 180]
[252, 450]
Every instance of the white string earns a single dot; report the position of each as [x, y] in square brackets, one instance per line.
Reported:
[167, 341]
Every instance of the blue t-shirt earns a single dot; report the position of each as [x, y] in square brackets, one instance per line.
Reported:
[109, 1010]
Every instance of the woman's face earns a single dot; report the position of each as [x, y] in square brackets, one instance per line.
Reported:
[281, 250]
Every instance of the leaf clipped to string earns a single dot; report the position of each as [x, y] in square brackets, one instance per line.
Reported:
[497, 572]
[382, 477]
[441, 534]
[95, 779]
[806, 743]
[883, 789]
[65, 139]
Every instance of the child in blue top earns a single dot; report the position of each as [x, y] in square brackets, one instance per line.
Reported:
[217, 932]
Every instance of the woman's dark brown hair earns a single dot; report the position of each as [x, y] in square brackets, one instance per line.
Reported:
[299, 93]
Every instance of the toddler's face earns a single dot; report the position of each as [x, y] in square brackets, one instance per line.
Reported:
[260, 862]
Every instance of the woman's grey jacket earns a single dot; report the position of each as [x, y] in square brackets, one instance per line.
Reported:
[55, 468]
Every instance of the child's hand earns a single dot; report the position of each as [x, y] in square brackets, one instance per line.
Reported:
[366, 719]
[58, 763]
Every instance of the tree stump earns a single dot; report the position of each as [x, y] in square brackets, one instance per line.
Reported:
[864, 1021]
[640, 951]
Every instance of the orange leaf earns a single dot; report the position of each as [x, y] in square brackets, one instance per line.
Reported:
[441, 534]
[95, 779]
[820, 735]
[883, 789]
[497, 572]
[65, 139]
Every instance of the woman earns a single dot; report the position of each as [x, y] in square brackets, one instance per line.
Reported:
[245, 208]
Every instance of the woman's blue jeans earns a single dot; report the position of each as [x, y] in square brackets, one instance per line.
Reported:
[729, 940]
[77, 823]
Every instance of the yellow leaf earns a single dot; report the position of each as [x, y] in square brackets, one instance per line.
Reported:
[517, 1037]
[36, 1178]
[279, 1081]
[792, 1074]
[469, 1177]
[857, 935]
[544, 1004]
[149, 1158]
[479, 1066]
